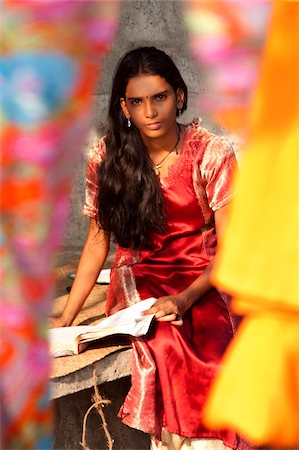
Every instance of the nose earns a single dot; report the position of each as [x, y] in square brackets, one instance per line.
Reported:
[149, 109]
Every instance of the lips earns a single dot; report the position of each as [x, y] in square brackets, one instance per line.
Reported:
[153, 125]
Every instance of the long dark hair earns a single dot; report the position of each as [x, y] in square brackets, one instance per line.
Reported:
[130, 201]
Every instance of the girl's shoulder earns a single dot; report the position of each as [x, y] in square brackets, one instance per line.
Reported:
[97, 151]
[200, 136]
[201, 141]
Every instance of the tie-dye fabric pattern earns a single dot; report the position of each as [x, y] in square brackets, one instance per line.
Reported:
[226, 38]
[51, 53]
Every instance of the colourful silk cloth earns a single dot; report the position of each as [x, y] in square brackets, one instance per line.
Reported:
[173, 366]
[51, 55]
[257, 391]
[226, 38]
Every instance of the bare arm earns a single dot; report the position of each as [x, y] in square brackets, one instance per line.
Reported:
[166, 308]
[92, 259]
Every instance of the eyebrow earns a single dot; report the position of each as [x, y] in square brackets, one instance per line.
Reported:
[154, 95]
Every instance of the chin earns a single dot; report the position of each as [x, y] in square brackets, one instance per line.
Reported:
[152, 133]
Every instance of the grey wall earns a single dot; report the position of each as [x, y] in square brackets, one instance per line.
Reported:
[71, 409]
[142, 22]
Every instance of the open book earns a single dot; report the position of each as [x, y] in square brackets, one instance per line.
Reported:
[67, 341]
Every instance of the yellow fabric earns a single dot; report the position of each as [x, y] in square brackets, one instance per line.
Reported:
[260, 249]
[257, 392]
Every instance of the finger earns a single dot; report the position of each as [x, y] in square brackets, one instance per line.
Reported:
[178, 317]
[178, 323]
[174, 318]
[51, 324]
[152, 310]
[147, 312]
[170, 317]
[164, 313]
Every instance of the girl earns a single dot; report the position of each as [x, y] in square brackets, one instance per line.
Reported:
[161, 189]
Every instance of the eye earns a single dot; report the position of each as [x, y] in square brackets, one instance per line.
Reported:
[161, 97]
[135, 101]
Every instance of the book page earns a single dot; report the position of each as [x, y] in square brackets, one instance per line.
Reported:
[127, 321]
[64, 341]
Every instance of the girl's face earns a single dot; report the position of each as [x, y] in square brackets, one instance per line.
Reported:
[151, 104]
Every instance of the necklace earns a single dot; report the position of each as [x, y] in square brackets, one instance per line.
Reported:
[158, 166]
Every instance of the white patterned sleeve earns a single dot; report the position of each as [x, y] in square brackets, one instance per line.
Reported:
[217, 167]
[96, 155]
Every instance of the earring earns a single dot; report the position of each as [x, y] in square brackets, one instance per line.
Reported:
[179, 112]
[129, 123]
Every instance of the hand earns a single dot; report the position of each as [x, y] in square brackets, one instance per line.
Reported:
[55, 322]
[170, 308]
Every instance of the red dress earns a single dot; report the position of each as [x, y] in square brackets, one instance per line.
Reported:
[174, 366]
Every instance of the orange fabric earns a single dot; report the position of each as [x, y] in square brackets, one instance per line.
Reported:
[258, 261]
[260, 250]
[257, 392]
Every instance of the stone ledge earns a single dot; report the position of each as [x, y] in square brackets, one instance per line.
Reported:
[112, 367]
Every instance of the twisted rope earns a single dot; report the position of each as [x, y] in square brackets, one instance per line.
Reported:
[98, 403]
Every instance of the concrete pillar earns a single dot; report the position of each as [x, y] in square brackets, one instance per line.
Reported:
[143, 22]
